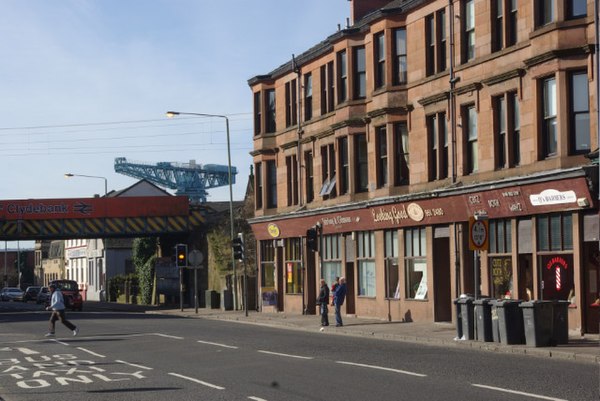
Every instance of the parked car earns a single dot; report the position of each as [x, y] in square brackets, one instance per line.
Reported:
[43, 296]
[31, 293]
[11, 294]
[71, 295]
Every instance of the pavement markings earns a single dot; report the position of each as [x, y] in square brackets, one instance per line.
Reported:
[362, 365]
[60, 342]
[197, 381]
[91, 352]
[256, 398]
[135, 365]
[217, 344]
[27, 351]
[286, 355]
[167, 336]
[504, 390]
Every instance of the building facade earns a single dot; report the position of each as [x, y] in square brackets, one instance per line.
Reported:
[391, 135]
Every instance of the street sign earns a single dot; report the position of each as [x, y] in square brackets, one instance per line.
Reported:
[196, 258]
[478, 234]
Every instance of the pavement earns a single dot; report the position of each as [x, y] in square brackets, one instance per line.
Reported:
[580, 348]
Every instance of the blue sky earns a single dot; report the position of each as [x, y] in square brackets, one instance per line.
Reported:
[86, 81]
[69, 65]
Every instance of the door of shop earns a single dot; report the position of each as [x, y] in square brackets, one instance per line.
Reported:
[350, 292]
[280, 279]
[591, 279]
[442, 280]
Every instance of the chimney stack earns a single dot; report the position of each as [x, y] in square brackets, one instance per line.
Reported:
[360, 8]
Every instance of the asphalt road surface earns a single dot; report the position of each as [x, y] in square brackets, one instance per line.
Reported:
[129, 356]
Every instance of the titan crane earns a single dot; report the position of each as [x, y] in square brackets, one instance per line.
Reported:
[189, 179]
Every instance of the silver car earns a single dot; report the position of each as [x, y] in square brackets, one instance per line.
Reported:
[11, 294]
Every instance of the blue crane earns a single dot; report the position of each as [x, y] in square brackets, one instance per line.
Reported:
[189, 179]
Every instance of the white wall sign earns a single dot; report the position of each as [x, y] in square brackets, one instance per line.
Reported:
[552, 197]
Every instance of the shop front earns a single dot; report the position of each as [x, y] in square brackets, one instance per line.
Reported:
[407, 258]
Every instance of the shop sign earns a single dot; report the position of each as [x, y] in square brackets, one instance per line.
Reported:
[558, 277]
[338, 220]
[397, 214]
[552, 197]
[273, 230]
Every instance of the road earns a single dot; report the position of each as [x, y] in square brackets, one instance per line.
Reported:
[134, 356]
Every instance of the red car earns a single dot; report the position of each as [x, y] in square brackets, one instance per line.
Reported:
[71, 295]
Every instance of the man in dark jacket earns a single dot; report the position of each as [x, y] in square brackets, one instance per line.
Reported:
[338, 300]
[323, 301]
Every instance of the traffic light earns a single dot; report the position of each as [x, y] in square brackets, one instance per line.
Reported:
[238, 248]
[181, 255]
[312, 239]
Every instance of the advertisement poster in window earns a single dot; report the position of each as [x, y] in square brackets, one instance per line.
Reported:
[269, 296]
[501, 277]
[557, 277]
[422, 289]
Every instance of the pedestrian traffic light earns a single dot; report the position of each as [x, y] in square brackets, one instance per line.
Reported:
[312, 239]
[181, 255]
[238, 248]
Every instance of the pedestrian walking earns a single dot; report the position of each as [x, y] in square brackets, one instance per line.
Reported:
[57, 306]
[338, 300]
[323, 302]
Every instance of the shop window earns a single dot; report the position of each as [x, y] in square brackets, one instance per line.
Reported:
[382, 157]
[342, 76]
[415, 263]
[555, 232]
[579, 124]
[500, 258]
[291, 103]
[332, 263]
[293, 266]
[267, 273]
[401, 154]
[400, 71]
[392, 274]
[379, 54]
[365, 255]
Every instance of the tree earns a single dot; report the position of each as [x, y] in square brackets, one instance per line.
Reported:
[143, 255]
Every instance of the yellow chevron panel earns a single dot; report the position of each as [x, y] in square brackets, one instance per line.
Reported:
[196, 218]
[93, 226]
[115, 225]
[156, 223]
[177, 223]
[51, 226]
[73, 226]
[135, 224]
[10, 227]
[30, 227]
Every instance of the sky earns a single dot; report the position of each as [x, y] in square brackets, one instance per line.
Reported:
[86, 81]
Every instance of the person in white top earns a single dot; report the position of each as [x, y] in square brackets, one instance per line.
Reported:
[57, 306]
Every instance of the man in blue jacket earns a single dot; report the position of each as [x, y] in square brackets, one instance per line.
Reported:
[339, 295]
[57, 306]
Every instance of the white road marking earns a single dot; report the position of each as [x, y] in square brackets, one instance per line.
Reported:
[27, 351]
[287, 355]
[197, 381]
[60, 342]
[541, 397]
[134, 365]
[167, 336]
[91, 352]
[256, 398]
[218, 345]
[404, 372]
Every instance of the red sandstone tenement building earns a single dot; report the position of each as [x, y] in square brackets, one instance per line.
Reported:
[391, 134]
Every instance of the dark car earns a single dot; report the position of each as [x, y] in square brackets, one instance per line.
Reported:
[31, 293]
[71, 295]
[43, 296]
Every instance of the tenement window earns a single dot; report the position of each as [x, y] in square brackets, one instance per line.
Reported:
[270, 108]
[506, 130]
[342, 76]
[400, 72]
[328, 171]
[257, 114]
[468, 31]
[579, 124]
[504, 24]
[309, 176]
[401, 176]
[360, 73]
[379, 47]
[470, 138]
[271, 184]
[545, 12]
[308, 96]
[258, 192]
[549, 109]
[327, 88]
[576, 8]
[291, 165]
[382, 156]
[291, 103]
[437, 131]
[344, 174]
[435, 42]
[361, 158]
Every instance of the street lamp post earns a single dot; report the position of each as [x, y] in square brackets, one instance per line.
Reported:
[70, 175]
[171, 114]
